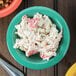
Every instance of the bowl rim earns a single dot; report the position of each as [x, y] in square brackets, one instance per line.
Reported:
[11, 8]
[30, 65]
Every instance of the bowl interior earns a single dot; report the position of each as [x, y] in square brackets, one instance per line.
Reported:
[34, 58]
[34, 61]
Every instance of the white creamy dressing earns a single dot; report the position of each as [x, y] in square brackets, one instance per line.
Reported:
[38, 34]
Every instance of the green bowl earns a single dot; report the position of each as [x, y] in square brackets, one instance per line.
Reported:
[34, 61]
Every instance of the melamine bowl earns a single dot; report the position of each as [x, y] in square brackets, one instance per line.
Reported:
[34, 61]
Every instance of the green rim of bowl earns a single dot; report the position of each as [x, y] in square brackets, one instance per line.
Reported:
[63, 46]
